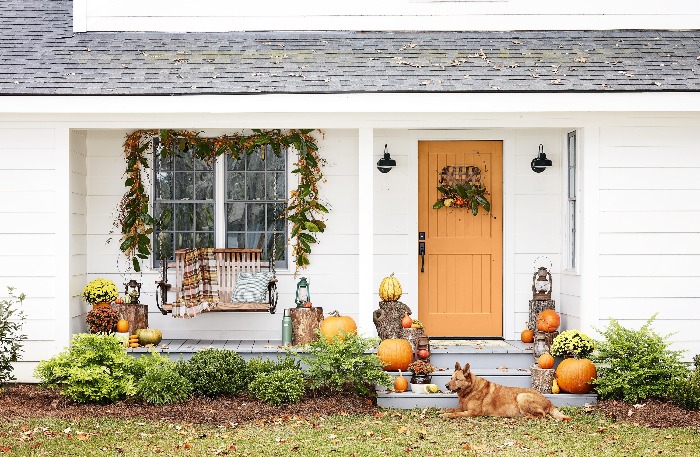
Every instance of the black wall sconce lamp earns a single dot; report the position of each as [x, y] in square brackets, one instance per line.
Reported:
[540, 162]
[386, 163]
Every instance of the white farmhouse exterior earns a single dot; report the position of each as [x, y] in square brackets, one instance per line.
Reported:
[631, 98]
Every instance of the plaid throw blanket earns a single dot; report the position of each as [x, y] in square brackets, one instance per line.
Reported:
[199, 290]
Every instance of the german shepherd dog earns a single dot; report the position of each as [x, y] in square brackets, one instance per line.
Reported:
[479, 397]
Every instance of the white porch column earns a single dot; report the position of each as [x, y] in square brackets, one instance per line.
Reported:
[365, 218]
[590, 228]
[62, 296]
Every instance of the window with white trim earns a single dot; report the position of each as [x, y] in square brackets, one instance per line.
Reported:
[571, 200]
[248, 215]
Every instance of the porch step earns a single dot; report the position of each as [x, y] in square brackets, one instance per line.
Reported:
[410, 400]
[512, 378]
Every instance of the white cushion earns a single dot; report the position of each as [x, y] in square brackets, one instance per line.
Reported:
[252, 287]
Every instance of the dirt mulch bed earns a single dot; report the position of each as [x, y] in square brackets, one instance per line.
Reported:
[651, 413]
[31, 401]
[22, 401]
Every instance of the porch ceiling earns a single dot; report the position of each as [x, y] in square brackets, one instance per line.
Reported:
[40, 55]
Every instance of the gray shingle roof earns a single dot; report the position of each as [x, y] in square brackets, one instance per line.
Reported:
[40, 55]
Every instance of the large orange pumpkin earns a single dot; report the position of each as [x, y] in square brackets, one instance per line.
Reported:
[396, 354]
[545, 361]
[574, 375]
[390, 289]
[122, 326]
[548, 321]
[335, 324]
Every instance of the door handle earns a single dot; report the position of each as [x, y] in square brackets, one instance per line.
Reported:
[421, 253]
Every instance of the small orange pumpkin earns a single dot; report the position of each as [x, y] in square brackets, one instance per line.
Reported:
[548, 321]
[406, 321]
[545, 361]
[400, 383]
[335, 324]
[527, 336]
[574, 375]
[122, 326]
[396, 353]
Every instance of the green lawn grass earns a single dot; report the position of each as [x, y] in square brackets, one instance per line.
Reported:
[388, 433]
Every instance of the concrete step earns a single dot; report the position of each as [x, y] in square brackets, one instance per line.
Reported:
[512, 378]
[410, 400]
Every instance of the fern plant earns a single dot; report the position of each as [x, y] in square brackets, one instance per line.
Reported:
[344, 365]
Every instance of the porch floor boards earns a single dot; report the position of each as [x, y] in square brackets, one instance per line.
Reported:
[275, 346]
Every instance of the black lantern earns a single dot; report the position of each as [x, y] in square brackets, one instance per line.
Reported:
[386, 163]
[135, 291]
[540, 162]
[303, 295]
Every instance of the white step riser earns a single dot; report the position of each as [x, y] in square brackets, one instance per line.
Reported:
[409, 400]
[487, 361]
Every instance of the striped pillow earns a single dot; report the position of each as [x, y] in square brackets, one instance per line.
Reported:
[251, 287]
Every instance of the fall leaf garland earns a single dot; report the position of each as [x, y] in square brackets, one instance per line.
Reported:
[304, 210]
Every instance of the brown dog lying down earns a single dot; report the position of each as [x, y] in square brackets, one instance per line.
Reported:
[479, 397]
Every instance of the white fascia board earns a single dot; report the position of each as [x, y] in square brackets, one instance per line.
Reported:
[395, 103]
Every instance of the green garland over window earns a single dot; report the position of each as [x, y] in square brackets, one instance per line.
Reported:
[304, 210]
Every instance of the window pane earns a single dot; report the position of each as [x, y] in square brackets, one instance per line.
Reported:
[184, 217]
[204, 240]
[235, 240]
[235, 220]
[164, 215]
[235, 186]
[255, 240]
[275, 186]
[183, 241]
[184, 188]
[235, 164]
[203, 165]
[204, 186]
[255, 186]
[164, 163]
[255, 217]
[184, 161]
[274, 162]
[274, 221]
[205, 217]
[163, 246]
[164, 185]
[255, 161]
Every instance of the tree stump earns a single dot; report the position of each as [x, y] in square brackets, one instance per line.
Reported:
[548, 337]
[536, 307]
[135, 315]
[412, 334]
[387, 319]
[305, 323]
[542, 379]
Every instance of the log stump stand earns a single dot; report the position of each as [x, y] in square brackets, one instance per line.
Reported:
[542, 379]
[536, 307]
[305, 323]
[135, 314]
[387, 319]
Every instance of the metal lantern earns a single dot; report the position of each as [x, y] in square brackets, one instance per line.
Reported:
[303, 295]
[542, 284]
[135, 291]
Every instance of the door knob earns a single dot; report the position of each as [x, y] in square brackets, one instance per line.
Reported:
[421, 252]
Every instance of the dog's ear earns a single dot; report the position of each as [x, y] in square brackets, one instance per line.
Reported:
[457, 366]
[466, 369]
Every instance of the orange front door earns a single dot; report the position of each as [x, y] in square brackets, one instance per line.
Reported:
[460, 289]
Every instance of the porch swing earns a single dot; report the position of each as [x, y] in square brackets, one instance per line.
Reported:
[229, 263]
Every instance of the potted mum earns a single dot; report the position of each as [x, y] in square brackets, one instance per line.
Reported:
[572, 343]
[102, 319]
[420, 372]
[100, 292]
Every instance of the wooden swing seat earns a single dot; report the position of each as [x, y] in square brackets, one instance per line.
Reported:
[229, 262]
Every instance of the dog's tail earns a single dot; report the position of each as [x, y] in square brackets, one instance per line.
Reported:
[556, 414]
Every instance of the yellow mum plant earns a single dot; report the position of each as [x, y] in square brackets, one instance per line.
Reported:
[100, 290]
